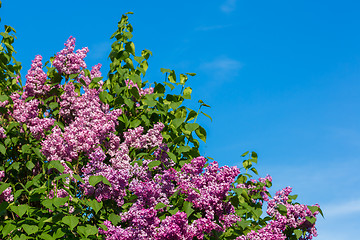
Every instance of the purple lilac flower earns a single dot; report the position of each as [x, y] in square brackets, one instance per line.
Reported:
[67, 61]
[27, 112]
[35, 80]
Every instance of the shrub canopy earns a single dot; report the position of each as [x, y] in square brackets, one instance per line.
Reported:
[88, 157]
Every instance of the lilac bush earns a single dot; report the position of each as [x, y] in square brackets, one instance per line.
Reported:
[87, 158]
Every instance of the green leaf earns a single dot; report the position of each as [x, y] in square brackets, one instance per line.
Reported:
[57, 165]
[135, 92]
[11, 126]
[191, 126]
[191, 116]
[312, 220]
[247, 164]
[298, 233]
[48, 204]
[172, 156]
[160, 205]
[149, 100]
[313, 209]
[173, 211]
[59, 233]
[183, 79]
[201, 133]
[30, 165]
[172, 77]
[25, 148]
[103, 96]
[154, 164]
[30, 229]
[59, 202]
[3, 207]
[3, 98]
[19, 210]
[135, 123]
[206, 115]
[2, 149]
[191, 74]
[244, 154]
[95, 205]
[172, 87]
[60, 124]
[77, 177]
[203, 104]
[175, 105]
[130, 47]
[37, 152]
[254, 170]
[114, 219]
[129, 103]
[282, 209]
[87, 230]
[139, 59]
[103, 227]
[182, 149]
[46, 236]
[71, 221]
[177, 122]
[93, 180]
[164, 70]
[53, 105]
[8, 228]
[187, 93]
[187, 208]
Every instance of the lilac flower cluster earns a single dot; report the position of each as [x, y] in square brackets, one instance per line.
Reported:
[35, 80]
[118, 172]
[28, 113]
[68, 62]
[212, 188]
[89, 123]
[206, 192]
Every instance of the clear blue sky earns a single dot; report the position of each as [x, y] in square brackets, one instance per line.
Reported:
[282, 77]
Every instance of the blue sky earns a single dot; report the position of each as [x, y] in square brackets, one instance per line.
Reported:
[282, 78]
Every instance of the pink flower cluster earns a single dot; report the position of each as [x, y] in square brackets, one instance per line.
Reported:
[68, 62]
[206, 192]
[35, 80]
[28, 113]
[89, 122]
[142, 216]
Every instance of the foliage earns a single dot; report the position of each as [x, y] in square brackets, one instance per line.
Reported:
[83, 158]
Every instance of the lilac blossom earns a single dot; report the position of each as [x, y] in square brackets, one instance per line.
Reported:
[69, 62]
[36, 80]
